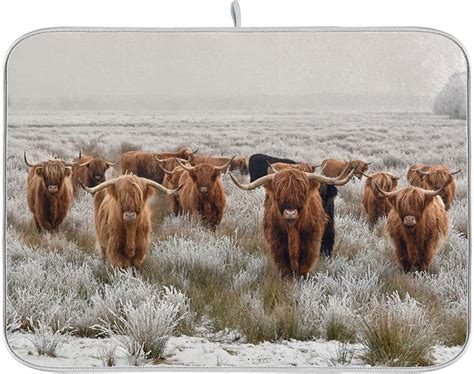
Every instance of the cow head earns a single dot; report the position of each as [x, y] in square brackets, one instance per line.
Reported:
[411, 202]
[52, 173]
[385, 181]
[289, 189]
[186, 153]
[96, 169]
[205, 176]
[241, 164]
[435, 176]
[360, 166]
[130, 193]
[303, 166]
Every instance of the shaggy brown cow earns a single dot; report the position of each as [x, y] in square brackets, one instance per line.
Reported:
[147, 164]
[89, 170]
[436, 177]
[338, 168]
[374, 202]
[416, 224]
[202, 194]
[171, 181]
[294, 218]
[238, 163]
[413, 175]
[49, 192]
[122, 218]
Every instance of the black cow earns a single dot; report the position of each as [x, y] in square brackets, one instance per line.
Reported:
[258, 167]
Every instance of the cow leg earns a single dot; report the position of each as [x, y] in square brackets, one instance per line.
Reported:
[402, 255]
[327, 241]
[309, 252]
[37, 224]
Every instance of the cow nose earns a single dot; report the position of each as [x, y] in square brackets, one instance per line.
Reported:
[203, 189]
[129, 216]
[53, 188]
[290, 214]
[409, 221]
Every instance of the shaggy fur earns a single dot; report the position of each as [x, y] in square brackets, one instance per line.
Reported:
[172, 182]
[303, 166]
[335, 168]
[374, 202]
[413, 176]
[417, 245]
[208, 205]
[124, 243]
[145, 164]
[437, 177]
[91, 174]
[49, 208]
[240, 164]
[258, 165]
[294, 246]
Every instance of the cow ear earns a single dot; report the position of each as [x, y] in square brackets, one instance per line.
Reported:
[39, 171]
[68, 171]
[428, 200]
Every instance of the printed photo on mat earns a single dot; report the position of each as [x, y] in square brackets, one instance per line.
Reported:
[236, 199]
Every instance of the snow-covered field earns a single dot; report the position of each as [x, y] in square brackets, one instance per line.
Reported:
[215, 295]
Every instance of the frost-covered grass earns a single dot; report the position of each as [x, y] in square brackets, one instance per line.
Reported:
[221, 286]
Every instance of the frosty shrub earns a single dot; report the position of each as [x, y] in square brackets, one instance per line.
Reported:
[452, 100]
[398, 333]
[343, 355]
[146, 327]
[46, 339]
[107, 354]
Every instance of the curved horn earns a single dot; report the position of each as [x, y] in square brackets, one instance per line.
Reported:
[332, 181]
[271, 167]
[195, 151]
[26, 161]
[80, 154]
[99, 187]
[160, 187]
[254, 184]
[224, 167]
[425, 173]
[386, 194]
[367, 176]
[167, 172]
[369, 163]
[111, 163]
[456, 172]
[392, 176]
[86, 163]
[185, 167]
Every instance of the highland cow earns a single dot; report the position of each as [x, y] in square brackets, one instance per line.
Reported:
[294, 219]
[374, 202]
[49, 192]
[338, 168]
[123, 218]
[436, 177]
[203, 194]
[259, 166]
[417, 224]
[89, 170]
[147, 164]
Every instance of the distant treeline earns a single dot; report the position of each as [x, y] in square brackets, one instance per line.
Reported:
[452, 100]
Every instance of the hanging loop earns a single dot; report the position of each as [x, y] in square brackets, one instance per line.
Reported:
[235, 13]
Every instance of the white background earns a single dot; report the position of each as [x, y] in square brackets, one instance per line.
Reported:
[21, 16]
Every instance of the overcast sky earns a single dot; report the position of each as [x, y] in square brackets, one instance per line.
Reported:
[232, 64]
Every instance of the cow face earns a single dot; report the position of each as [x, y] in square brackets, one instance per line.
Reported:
[96, 171]
[385, 181]
[241, 164]
[289, 191]
[360, 166]
[53, 173]
[131, 195]
[434, 178]
[204, 177]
